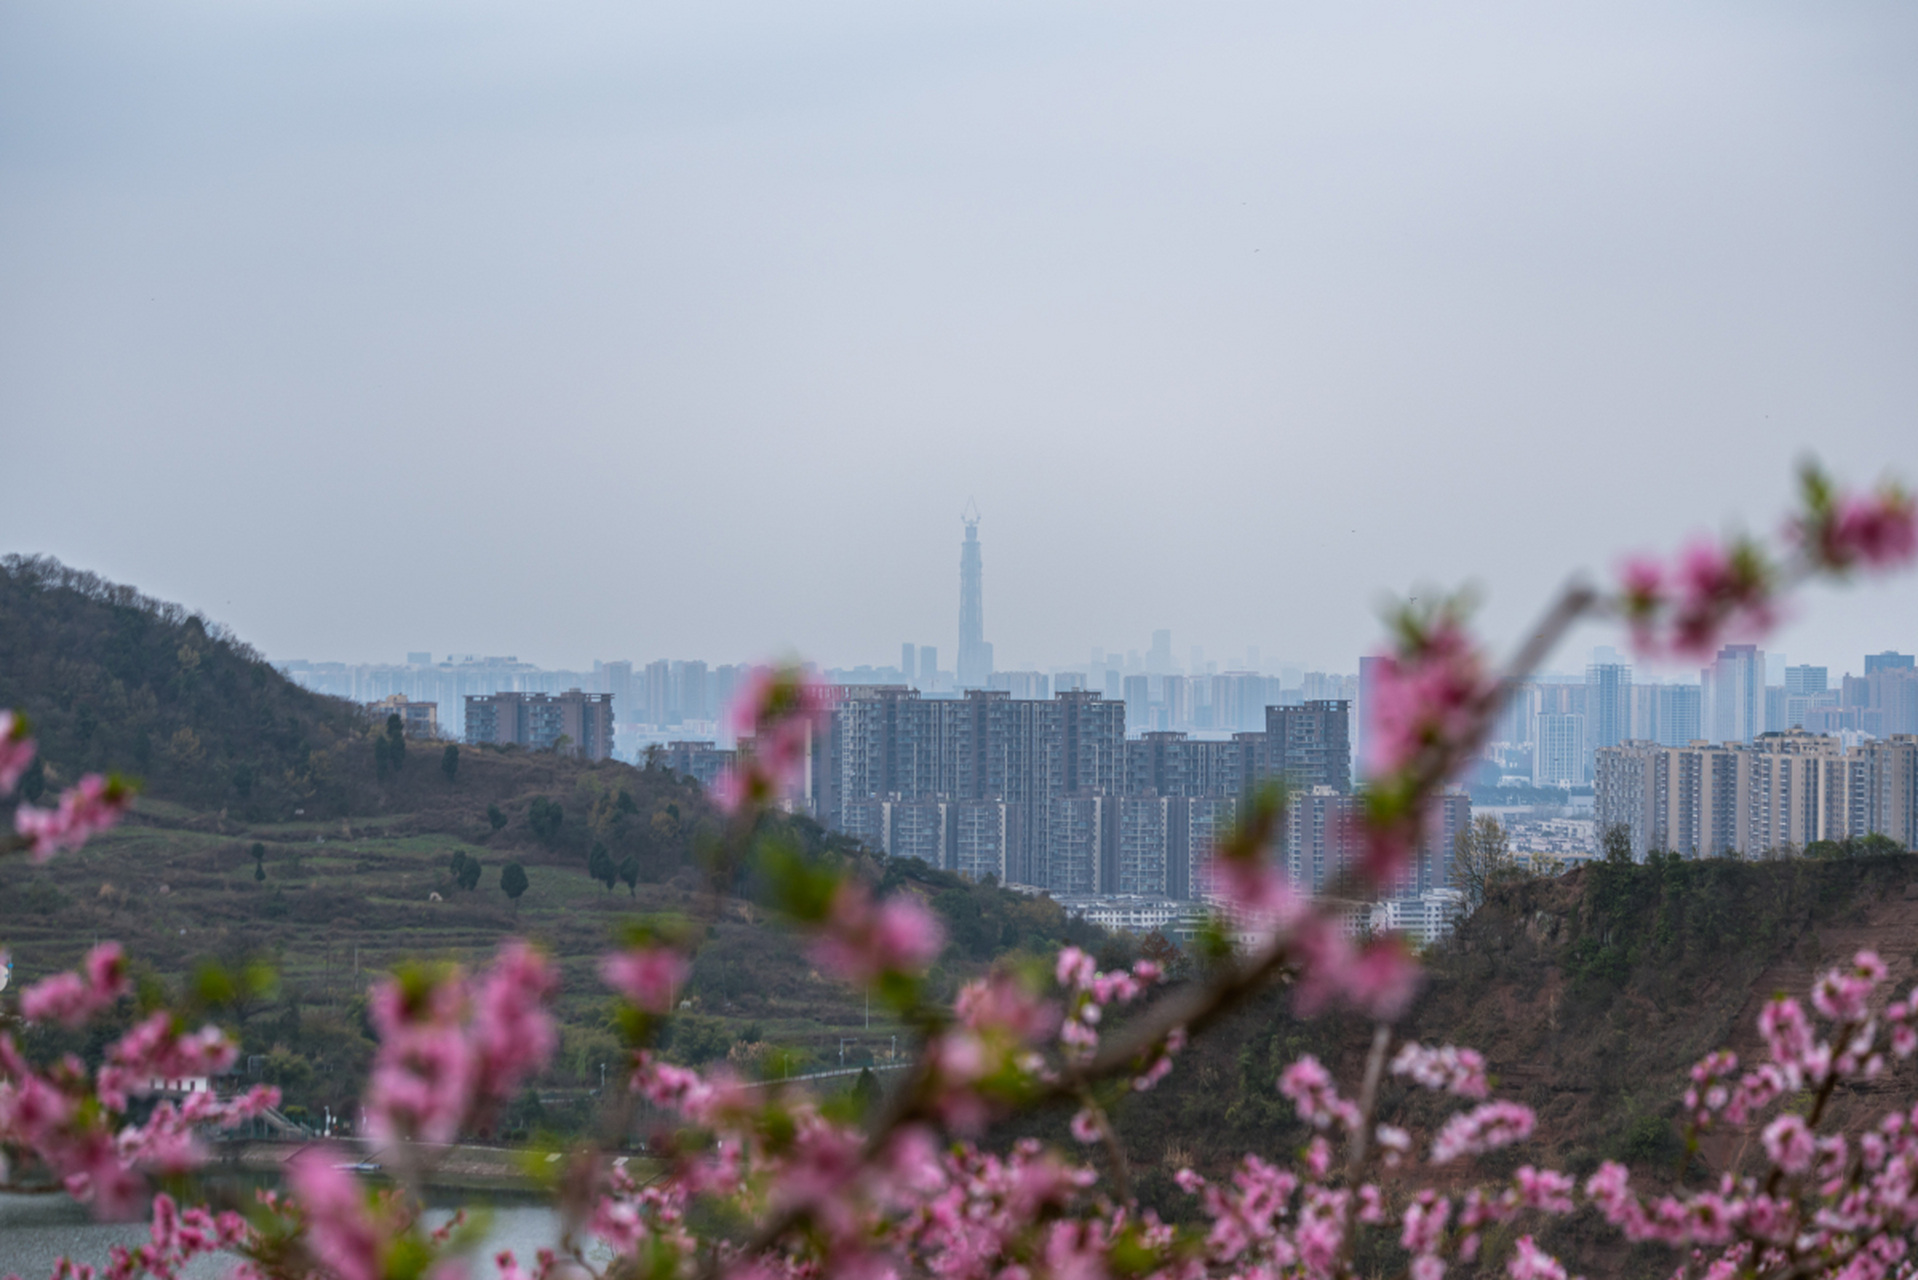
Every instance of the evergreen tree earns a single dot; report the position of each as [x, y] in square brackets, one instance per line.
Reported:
[389, 750]
[544, 816]
[513, 882]
[450, 762]
[600, 866]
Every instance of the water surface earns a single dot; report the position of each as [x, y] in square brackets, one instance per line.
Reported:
[37, 1230]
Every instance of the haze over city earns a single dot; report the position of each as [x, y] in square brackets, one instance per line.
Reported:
[689, 331]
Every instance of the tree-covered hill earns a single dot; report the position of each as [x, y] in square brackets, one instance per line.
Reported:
[115, 680]
[1591, 995]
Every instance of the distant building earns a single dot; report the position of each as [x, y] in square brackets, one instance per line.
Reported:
[1424, 918]
[1135, 913]
[701, 761]
[1888, 661]
[1024, 686]
[1369, 668]
[1310, 744]
[1559, 755]
[1608, 705]
[420, 719]
[975, 655]
[1734, 686]
[1668, 714]
[539, 720]
[1785, 790]
[1804, 681]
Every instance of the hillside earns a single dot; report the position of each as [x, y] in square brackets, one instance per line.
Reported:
[1590, 995]
[114, 680]
[334, 868]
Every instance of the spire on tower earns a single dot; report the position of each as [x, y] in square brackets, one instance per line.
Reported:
[975, 654]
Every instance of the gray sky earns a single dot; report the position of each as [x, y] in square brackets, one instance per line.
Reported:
[635, 330]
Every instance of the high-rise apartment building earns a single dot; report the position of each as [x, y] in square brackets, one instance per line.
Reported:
[1023, 685]
[1608, 704]
[1804, 681]
[1782, 790]
[540, 720]
[1734, 688]
[1805, 692]
[1310, 745]
[1137, 692]
[417, 719]
[1051, 792]
[1369, 668]
[1559, 756]
[1667, 714]
[1889, 660]
[657, 683]
[1158, 659]
[975, 655]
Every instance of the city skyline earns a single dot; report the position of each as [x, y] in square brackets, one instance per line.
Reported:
[975, 656]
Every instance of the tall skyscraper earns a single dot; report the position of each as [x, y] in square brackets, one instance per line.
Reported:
[975, 655]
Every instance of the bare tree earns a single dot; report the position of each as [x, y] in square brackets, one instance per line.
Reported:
[1481, 859]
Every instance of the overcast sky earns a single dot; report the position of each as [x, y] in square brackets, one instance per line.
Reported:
[637, 330]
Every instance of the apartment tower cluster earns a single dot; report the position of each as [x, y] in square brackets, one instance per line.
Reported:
[1053, 794]
[1782, 791]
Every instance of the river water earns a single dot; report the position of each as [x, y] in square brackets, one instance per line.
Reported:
[37, 1230]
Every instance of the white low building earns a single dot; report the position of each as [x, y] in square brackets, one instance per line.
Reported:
[1423, 918]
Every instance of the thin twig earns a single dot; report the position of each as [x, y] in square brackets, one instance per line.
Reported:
[1360, 1150]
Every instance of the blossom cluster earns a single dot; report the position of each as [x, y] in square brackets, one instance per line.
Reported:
[646, 976]
[1826, 1202]
[1447, 1069]
[74, 1123]
[174, 1238]
[72, 998]
[775, 717]
[452, 1049]
[861, 939]
[1731, 588]
[88, 807]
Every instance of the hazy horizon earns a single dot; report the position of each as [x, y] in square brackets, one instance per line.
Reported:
[689, 331]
